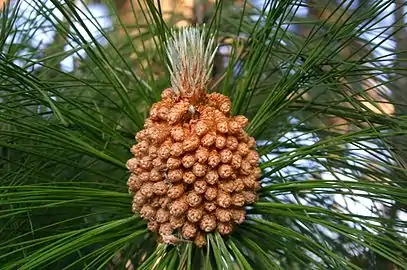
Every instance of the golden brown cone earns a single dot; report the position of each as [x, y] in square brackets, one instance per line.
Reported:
[194, 168]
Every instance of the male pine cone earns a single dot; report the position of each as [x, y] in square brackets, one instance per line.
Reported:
[194, 167]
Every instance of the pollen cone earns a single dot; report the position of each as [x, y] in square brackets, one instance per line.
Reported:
[194, 167]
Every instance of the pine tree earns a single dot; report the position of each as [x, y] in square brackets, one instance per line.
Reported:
[315, 104]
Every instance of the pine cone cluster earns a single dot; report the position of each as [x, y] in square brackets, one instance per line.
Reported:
[194, 167]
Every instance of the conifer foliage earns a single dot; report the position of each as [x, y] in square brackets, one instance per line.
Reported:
[268, 139]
